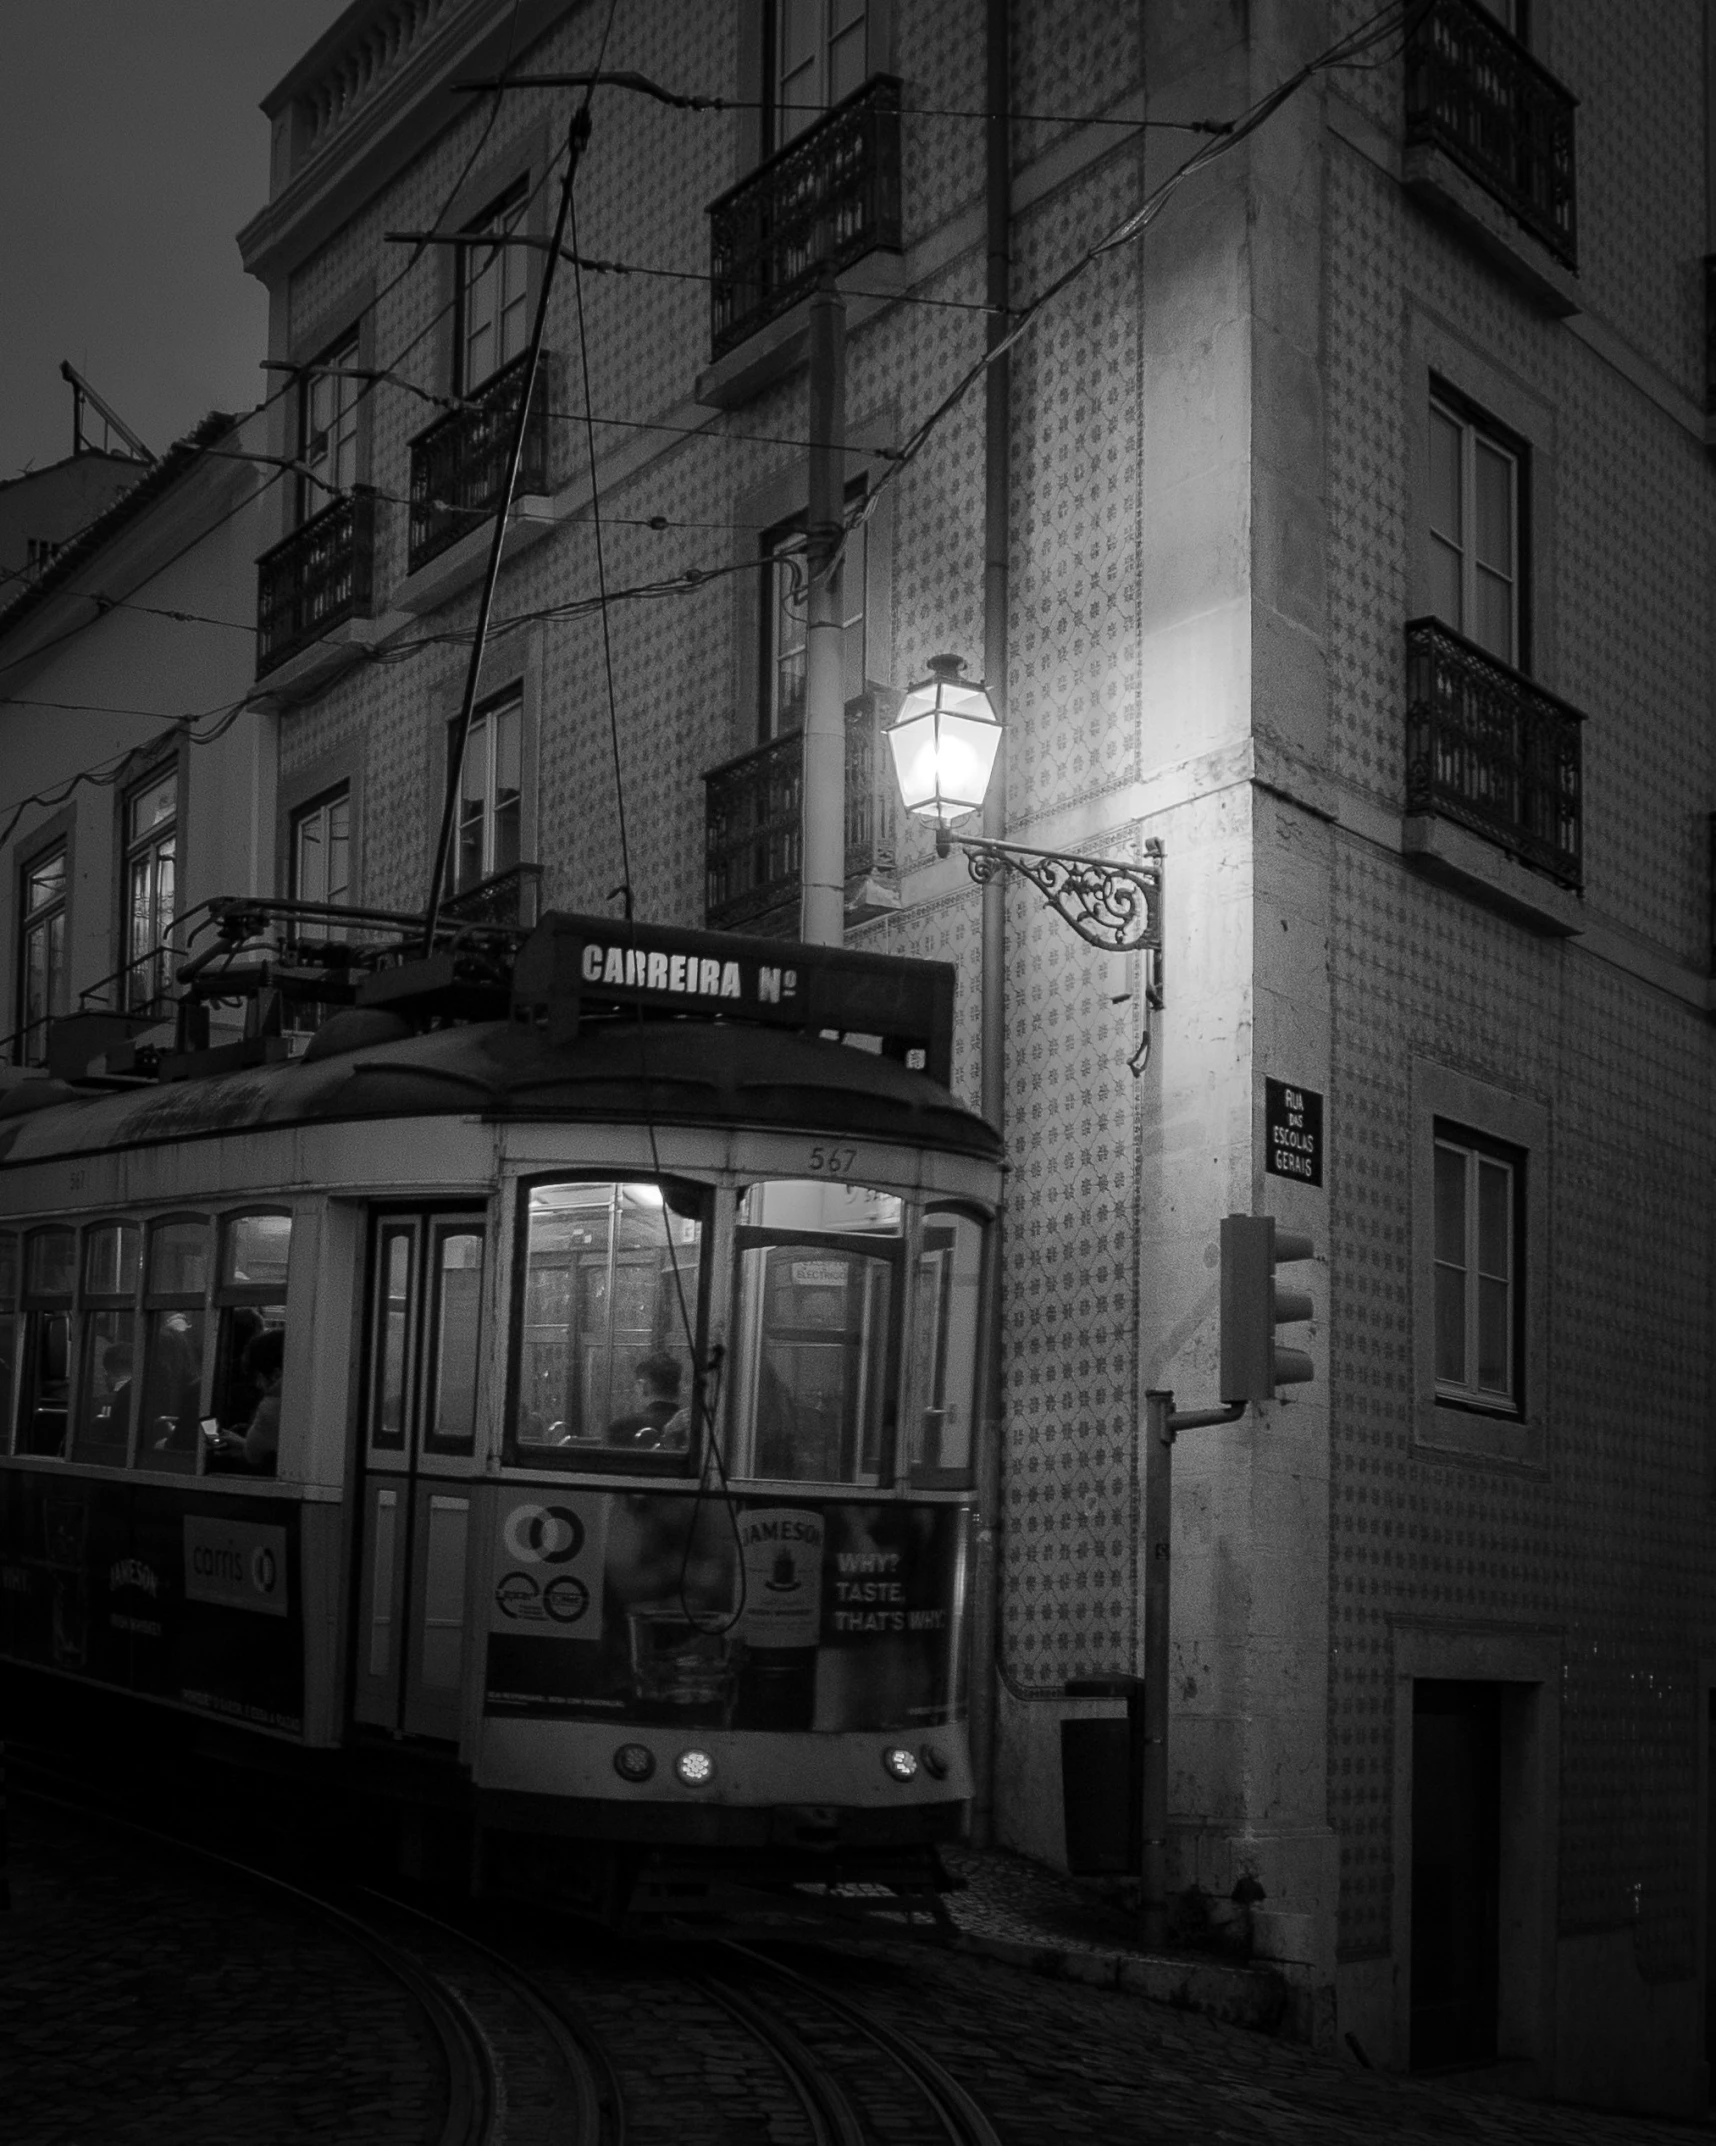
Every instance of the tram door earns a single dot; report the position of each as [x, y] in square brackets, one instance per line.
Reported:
[420, 1402]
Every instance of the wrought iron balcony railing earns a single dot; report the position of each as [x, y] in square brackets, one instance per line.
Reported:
[458, 465]
[508, 897]
[832, 194]
[320, 576]
[1486, 747]
[1475, 92]
[754, 809]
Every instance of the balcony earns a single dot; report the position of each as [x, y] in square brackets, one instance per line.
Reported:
[831, 196]
[458, 466]
[322, 575]
[1475, 93]
[504, 898]
[753, 819]
[1488, 749]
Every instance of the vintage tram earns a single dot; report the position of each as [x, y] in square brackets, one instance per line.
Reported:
[551, 1391]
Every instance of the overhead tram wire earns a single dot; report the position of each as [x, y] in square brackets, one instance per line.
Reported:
[1396, 16]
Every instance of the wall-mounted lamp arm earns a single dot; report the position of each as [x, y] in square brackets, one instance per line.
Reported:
[1113, 905]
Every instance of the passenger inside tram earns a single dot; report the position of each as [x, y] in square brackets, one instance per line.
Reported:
[255, 1445]
[172, 1376]
[660, 1420]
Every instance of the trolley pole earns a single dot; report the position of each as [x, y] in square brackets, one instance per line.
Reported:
[1161, 1422]
[824, 779]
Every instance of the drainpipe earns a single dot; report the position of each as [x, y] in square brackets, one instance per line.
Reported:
[823, 866]
[997, 401]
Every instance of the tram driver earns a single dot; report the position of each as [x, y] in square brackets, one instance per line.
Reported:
[659, 1420]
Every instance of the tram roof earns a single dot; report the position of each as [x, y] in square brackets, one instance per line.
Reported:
[620, 1071]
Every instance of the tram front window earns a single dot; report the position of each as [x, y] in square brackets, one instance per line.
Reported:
[611, 1278]
[817, 1331]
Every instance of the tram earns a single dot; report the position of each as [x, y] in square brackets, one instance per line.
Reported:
[559, 1377]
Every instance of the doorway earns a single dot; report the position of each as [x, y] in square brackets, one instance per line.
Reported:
[1456, 1872]
[417, 1451]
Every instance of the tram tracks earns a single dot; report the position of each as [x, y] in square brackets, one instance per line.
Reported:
[552, 2039]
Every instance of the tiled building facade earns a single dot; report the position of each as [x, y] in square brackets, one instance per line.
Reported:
[1359, 537]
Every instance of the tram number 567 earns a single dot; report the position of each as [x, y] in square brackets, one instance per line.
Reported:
[833, 1161]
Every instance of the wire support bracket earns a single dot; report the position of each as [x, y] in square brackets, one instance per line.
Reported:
[1113, 905]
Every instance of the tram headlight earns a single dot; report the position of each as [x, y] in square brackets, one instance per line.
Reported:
[696, 1769]
[899, 1764]
[935, 1762]
[634, 1762]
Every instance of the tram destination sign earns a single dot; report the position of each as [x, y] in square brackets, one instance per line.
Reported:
[572, 966]
[1293, 1131]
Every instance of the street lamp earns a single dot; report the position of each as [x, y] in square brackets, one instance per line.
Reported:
[944, 741]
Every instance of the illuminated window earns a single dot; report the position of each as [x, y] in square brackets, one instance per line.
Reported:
[41, 953]
[946, 1310]
[610, 1301]
[816, 1350]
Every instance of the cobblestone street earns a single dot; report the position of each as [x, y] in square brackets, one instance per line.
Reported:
[147, 1997]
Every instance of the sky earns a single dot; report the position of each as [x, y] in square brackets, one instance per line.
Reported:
[132, 150]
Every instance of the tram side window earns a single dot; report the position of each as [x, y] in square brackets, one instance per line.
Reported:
[50, 1264]
[107, 1342]
[611, 1277]
[816, 1332]
[175, 1329]
[946, 1306]
[8, 1333]
[250, 1347]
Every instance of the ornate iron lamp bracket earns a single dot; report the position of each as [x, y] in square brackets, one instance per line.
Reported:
[1113, 905]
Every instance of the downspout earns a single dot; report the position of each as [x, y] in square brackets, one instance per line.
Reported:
[997, 419]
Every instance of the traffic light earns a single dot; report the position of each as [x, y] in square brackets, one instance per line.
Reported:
[1253, 1305]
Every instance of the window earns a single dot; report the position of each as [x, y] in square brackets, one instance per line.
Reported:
[321, 850]
[816, 1326]
[1479, 1196]
[107, 1353]
[151, 868]
[817, 55]
[50, 1265]
[426, 1333]
[781, 674]
[610, 1300]
[487, 838]
[10, 1333]
[41, 953]
[946, 1317]
[493, 309]
[328, 404]
[250, 1342]
[1475, 531]
[175, 1329]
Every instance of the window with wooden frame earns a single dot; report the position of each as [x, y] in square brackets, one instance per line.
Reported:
[41, 952]
[328, 406]
[493, 311]
[1479, 1232]
[781, 665]
[1476, 502]
[818, 53]
[151, 887]
[488, 836]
